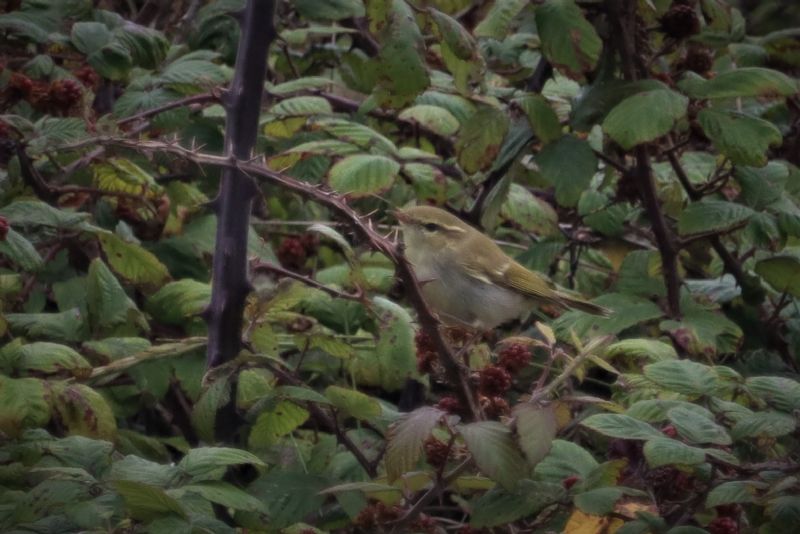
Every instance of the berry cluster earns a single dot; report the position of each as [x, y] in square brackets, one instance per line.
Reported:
[426, 352]
[514, 357]
[680, 20]
[64, 94]
[494, 381]
[450, 405]
[59, 96]
[436, 452]
[723, 525]
[88, 77]
[494, 407]
[294, 251]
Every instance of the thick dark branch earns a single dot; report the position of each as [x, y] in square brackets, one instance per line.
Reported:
[233, 204]
[364, 229]
[622, 18]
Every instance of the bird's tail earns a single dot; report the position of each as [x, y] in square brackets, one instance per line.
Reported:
[577, 303]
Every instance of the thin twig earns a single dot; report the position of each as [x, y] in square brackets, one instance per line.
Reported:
[358, 296]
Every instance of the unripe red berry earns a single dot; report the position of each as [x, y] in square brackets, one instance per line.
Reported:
[723, 525]
[570, 481]
[292, 253]
[450, 405]
[514, 357]
[494, 380]
[436, 452]
[3, 228]
[63, 94]
[88, 76]
[426, 352]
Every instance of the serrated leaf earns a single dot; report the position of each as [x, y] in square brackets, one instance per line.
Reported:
[629, 310]
[621, 426]
[712, 216]
[569, 41]
[24, 403]
[598, 501]
[682, 376]
[123, 176]
[37, 213]
[763, 424]
[645, 116]
[498, 507]
[647, 349]
[145, 502]
[735, 491]
[201, 462]
[742, 138]
[357, 134]
[494, 451]
[353, 403]
[541, 116]
[530, 212]
[782, 273]
[49, 358]
[654, 410]
[84, 411]
[457, 38]
[276, 423]
[107, 302]
[697, 429]
[536, 429]
[67, 326]
[480, 139]
[301, 106]
[178, 302]
[132, 262]
[783, 393]
[329, 9]
[569, 164]
[497, 21]
[666, 451]
[406, 438]
[19, 250]
[433, 118]
[362, 175]
[744, 82]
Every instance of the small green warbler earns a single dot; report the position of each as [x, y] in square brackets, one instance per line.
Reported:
[467, 279]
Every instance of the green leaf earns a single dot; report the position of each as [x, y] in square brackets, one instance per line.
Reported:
[19, 250]
[456, 37]
[67, 326]
[653, 410]
[531, 213]
[362, 175]
[132, 262]
[498, 20]
[565, 459]
[204, 411]
[541, 116]
[405, 440]
[711, 216]
[599, 501]
[696, 428]
[357, 134]
[123, 176]
[224, 494]
[49, 358]
[353, 403]
[329, 9]
[763, 424]
[138, 469]
[83, 411]
[302, 105]
[480, 139]
[783, 393]
[201, 462]
[666, 451]
[401, 68]
[569, 165]
[782, 273]
[644, 349]
[178, 302]
[90, 36]
[683, 376]
[569, 41]
[24, 405]
[735, 491]
[645, 117]
[621, 426]
[494, 451]
[744, 82]
[392, 361]
[433, 118]
[742, 138]
[276, 423]
[629, 310]
[536, 429]
[37, 213]
[107, 302]
[145, 502]
[498, 507]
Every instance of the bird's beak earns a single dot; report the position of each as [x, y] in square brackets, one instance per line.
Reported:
[401, 216]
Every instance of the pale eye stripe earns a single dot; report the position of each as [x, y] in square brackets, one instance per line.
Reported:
[453, 228]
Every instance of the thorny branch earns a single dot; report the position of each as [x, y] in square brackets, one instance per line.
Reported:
[358, 296]
[363, 227]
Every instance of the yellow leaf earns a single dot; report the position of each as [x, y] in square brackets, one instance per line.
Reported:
[582, 523]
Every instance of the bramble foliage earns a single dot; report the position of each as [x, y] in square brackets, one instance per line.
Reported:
[641, 153]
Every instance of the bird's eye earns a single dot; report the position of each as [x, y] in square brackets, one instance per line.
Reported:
[431, 227]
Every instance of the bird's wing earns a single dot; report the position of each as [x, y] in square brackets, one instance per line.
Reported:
[515, 276]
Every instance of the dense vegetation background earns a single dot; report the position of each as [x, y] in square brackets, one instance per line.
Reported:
[642, 153]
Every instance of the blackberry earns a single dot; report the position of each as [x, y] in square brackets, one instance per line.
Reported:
[450, 405]
[680, 21]
[292, 253]
[436, 452]
[64, 94]
[494, 381]
[514, 357]
[723, 525]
